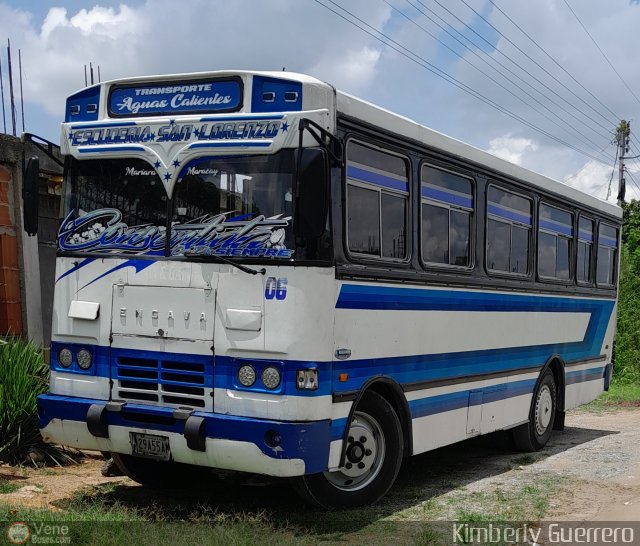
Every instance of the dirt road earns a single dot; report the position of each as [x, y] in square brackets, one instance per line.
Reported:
[591, 471]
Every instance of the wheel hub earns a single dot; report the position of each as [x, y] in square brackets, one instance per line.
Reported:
[544, 410]
[364, 454]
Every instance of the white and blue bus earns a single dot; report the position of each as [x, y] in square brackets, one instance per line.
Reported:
[259, 273]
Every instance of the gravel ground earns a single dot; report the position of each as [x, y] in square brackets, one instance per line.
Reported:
[591, 472]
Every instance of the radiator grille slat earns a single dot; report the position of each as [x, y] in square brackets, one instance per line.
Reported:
[170, 382]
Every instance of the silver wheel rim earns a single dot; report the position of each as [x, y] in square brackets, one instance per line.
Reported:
[544, 410]
[364, 455]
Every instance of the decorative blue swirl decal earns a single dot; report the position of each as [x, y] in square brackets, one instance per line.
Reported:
[103, 231]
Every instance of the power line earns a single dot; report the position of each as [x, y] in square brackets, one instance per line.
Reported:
[540, 67]
[443, 74]
[602, 52]
[534, 42]
[517, 65]
[633, 179]
[565, 127]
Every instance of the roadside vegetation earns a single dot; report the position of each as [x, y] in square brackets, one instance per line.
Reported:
[23, 376]
[625, 386]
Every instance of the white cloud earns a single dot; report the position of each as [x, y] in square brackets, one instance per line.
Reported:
[593, 178]
[511, 148]
[355, 69]
[140, 37]
[164, 36]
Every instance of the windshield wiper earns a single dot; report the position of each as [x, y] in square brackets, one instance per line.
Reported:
[224, 260]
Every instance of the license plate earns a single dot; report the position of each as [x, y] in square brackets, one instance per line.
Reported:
[150, 446]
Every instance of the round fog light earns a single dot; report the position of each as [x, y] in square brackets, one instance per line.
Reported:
[246, 375]
[84, 359]
[65, 357]
[271, 377]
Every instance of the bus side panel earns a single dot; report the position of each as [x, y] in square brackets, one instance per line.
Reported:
[468, 360]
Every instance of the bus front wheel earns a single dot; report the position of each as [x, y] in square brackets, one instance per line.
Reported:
[534, 435]
[372, 459]
[158, 474]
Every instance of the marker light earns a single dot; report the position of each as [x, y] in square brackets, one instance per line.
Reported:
[65, 357]
[270, 377]
[246, 375]
[307, 379]
[84, 359]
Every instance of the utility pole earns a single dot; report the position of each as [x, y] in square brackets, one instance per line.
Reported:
[623, 132]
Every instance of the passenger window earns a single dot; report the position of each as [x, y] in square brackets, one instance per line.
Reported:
[584, 272]
[447, 205]
[508, 231]
[607, 254]
[555, 238]
[377, 202]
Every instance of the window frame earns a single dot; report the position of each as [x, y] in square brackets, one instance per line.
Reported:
[358, 257]
[592, 261]
[529, 197]
[573, 246]
[616, 255]
[472, 217]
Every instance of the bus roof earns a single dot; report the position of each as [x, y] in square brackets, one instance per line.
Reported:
[400, 125]
[317, 94]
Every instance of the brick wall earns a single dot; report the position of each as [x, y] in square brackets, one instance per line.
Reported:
[10, 305]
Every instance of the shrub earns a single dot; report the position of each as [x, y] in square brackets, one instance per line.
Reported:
[23, 376]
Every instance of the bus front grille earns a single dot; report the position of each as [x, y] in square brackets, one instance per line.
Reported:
[163, 381]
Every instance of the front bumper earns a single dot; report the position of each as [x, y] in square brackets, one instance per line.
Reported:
[197, 438]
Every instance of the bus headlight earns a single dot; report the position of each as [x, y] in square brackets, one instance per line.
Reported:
[65, 357]
[84, 359]
[271, 377]
[246, 375]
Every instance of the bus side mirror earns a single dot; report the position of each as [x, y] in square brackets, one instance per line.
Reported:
[30, 195]
[312, 188]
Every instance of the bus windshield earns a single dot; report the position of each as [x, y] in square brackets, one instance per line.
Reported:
[237, 207]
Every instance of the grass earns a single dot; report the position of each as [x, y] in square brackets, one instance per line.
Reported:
[220, 512]
[524, 460]
[432, 490]
[8, 487]
[619, 395]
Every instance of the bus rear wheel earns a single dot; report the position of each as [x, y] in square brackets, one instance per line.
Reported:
[158, 474]
[372, 459]
[535, 434]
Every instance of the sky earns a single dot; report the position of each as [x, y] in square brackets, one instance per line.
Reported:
[523, 80]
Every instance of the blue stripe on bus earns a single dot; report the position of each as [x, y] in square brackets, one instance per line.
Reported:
[114, 148]
[441, 403]
[447, 197]
[371, 177]
[584, 375]
[607, 241]
[239, 144]
[248, 117]
[104, 125]
[362, 296]
[509, 214]
[556, 227]
[585, 236]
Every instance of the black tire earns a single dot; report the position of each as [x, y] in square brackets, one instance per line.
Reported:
[339, 490]
[159, 474]
[535, 434]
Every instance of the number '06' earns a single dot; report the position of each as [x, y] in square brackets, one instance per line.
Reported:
[275, 288]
